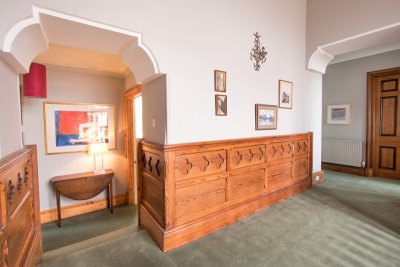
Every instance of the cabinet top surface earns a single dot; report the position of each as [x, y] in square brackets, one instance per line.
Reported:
[81, 175]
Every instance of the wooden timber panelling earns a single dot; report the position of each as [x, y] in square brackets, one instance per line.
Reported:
[20, 238]
[190, 190]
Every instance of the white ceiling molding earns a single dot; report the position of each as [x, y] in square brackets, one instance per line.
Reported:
[29, 37]
[382, 39]
[319, 60]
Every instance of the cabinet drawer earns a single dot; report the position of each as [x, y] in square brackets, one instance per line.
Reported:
[18, 183]
[279, 176]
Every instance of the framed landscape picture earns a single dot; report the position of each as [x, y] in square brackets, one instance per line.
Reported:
[285, 94]
[266, 117]
[338, 114]
[71, 127]
[219, 81]
[221, 103]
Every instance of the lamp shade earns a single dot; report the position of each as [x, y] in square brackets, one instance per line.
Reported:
[35, 81]
[98, 148]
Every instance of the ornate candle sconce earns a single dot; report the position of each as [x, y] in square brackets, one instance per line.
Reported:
[258, 53]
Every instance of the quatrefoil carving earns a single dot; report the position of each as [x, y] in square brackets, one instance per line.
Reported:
[158, 167]
[144, 161]
[282, 150]
[185, 167]
[248, 156]
[203, 164]
[237, 157]
[290, 148]
[150, 167]
[218, 161]
[274, 150]
[258, 154]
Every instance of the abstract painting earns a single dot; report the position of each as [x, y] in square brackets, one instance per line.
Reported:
[71, 127]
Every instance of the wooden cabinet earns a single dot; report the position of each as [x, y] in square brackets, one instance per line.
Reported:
[20, 233]
[190, 190]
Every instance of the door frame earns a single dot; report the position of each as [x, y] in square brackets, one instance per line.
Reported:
[131, 143]
[371, 138]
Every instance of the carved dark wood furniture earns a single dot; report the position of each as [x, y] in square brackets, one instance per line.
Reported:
[82, 186]
[20, 230]
[190, 190]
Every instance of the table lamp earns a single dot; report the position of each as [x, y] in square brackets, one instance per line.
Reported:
[97, 149]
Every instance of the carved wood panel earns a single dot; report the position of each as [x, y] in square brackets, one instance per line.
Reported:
[300, 169]
[300, 147]
[388, 116]
[246, 156]
[282, 150]
[152, 164]
[153, 197]
[279, 176]
[247, 184]
[198, 197]
[199, 164]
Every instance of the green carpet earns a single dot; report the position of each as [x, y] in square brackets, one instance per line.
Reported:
[345, 221]
[79, 228]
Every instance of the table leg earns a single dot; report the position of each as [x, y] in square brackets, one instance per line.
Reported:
[58, 208]
[110, 196]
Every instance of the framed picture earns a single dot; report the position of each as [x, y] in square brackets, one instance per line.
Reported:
[266, 117]
[338, 114]
[219, 81]
[285, 94]
[221, 103]
[71, 127]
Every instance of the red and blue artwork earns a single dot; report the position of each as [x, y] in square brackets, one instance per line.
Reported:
[80, 127]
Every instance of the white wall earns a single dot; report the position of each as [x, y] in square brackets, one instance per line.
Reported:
[192, 38]
[154, 110]
[10, 116]
[74, 87]
[346, 83]
[329, 21]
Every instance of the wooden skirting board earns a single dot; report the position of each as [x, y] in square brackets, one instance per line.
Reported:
[81, 208]
[190, 190]
[343, 168]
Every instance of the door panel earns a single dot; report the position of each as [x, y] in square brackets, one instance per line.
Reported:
[386, 143]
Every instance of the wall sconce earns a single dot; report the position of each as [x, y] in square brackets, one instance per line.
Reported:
[258, 53]
[35, 81]
[98, 149]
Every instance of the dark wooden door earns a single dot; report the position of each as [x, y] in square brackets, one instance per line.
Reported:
[386, 121]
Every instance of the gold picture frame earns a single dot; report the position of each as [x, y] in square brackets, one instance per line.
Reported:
[219, 81]
[285, 94]
[70, 127]
[266, 117]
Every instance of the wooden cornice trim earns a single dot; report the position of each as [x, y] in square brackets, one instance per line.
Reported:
[205, 144]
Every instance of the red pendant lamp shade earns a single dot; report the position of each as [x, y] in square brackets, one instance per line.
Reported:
[35, 81]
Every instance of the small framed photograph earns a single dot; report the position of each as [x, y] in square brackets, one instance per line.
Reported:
[71, 127]
[285, 94]
[338, 114]
[266, 117]
[219, 81]
[221, 103]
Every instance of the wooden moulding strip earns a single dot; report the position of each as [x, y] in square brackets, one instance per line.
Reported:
[81, 208]
[170, 239]
[342, 168]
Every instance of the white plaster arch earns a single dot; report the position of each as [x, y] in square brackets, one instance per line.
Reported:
[29, 37]
[381, 38]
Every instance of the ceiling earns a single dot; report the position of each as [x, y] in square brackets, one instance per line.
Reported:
[83, 59]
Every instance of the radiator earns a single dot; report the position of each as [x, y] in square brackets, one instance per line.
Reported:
[344, 152]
